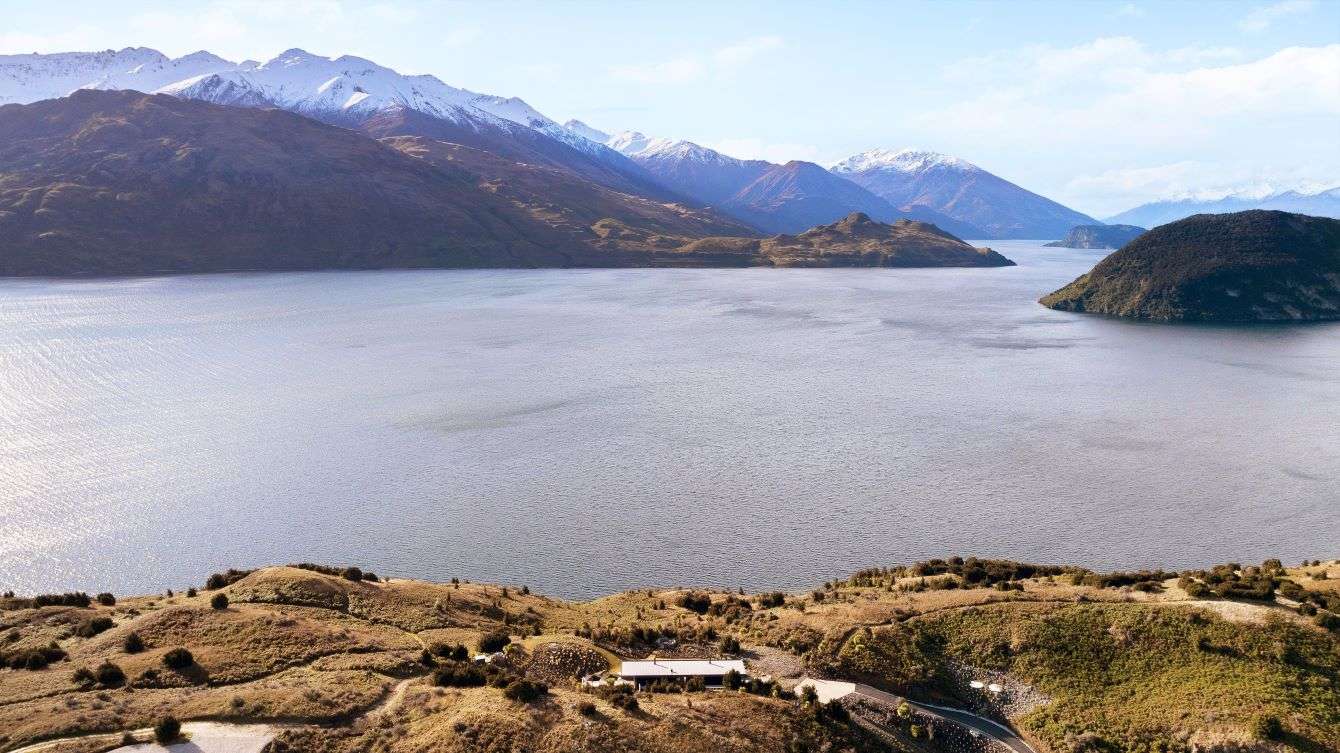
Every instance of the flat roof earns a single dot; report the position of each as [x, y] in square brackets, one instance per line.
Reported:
[680, 667]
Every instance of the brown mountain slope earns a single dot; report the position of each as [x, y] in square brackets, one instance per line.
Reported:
[1249, 266]
[127, 183]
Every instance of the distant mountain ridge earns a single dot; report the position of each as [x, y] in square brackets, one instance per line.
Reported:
[1098, 236]
[1324, 203]
[774, 198]
[120, 182]
[347, 91]
[357, 93]
[957, 188]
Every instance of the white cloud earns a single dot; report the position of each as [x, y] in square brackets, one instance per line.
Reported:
[81, 37]
[698, 65]
[1123, 188]
[752, 148]
[1265, 16]
[1111, 98]
[1130, 10]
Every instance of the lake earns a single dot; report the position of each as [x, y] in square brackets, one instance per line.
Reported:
[583, 432]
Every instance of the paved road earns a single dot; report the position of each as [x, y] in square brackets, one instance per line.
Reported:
[980, 724]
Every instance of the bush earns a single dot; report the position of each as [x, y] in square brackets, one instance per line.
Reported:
[109, 675]
[586, 708]
[33, 659]
[178, 658]
[92, 626]
[1267, 727]
[133, 643]
[75, 599]
[167, 730]
[106, 599]
[352, 573]
[219, 601]
[730, 645]
[770, 600]
[525, 691]
[493, 642]
[625, 701]
[1328, 621]
[84, 677]
[694, 602]
[219, 580]
[459, 675]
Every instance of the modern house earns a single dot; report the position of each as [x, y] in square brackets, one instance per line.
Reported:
[710, 670]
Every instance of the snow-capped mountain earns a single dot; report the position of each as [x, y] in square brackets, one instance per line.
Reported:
[696, 171]
[347, 90]
[586, 131]
[1000, 209]
[786, 198]
[1320, 204]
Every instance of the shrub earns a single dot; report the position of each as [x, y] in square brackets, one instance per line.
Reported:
[730, 645]
[770, 600]
[84, 677]
[178, 658]
[219, 580]
[493, 642]
[586, 708]
[625, 701]
[109, 675]
[525, 691]
[732, 680]
[167, 729]
[219, 601]
[106, 599]
[92, 626]
[33, 659]
[370, 577]
[694, 602]
[1267, 727]
[191, 592]
[352, 573]
[459, 675]
[75, 599]
[1328, 621]
[133, 643]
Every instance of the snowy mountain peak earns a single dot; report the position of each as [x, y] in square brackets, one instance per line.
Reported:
[586, 131]
[642, 147]
[902, 160]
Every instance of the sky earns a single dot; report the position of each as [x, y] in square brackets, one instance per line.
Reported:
[1099, 105]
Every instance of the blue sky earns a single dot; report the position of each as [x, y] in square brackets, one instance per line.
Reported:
[1101, 105]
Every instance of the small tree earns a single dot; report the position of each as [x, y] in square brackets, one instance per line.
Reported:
[352, 573]
[730, 645]
[167, 730]
[219, 600]
[732, 680]
[106, 599]
[133, 643]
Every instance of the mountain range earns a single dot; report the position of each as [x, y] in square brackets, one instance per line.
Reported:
[1319, 204]
[120, 182]
[359, 94]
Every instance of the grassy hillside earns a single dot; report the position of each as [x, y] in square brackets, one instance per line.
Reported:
[1225, 659]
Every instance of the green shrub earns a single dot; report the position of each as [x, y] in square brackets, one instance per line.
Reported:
[586, 708]
[133, 643]
[106, 599]
[219, 601]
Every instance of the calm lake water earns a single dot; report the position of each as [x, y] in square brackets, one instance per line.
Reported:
[589, 431]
